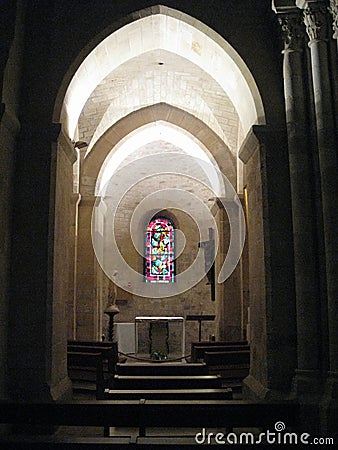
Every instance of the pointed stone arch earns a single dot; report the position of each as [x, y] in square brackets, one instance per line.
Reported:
[94, 160]
[251, 113]
[94, 62]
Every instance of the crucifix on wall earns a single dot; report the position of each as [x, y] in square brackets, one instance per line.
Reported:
[209, 260]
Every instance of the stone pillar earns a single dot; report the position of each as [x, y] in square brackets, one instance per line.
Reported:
[85, 276]
[71, 300]
[228, 293]
[86, 314]
[303, 217]
[271, 285]
[315, 18]
[63, 158]
[334, 11]
[333, 50]
[244, 262]
[10, 77]
[9, 128]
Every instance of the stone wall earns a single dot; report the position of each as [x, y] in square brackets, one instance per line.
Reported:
[63, 279]
[6, 145]
[196, 300]
[93, 285]
[228, 293]
[257, 282]
[10, 66]
[271, 276]
[85, 315]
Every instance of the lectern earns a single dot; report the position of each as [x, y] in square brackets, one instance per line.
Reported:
[200, 318]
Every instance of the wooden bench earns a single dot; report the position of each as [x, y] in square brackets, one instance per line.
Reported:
[229, 365]
[109, 350]
[200, 351]
[103, 344]
[156, 368]
[231, 373]
[108, 354]
[91, 362]
[166, 382]
[224, 345]
[81, 362]
[216, 414]
[225, 358]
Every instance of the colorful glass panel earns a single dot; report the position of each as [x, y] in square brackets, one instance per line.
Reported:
[160, 251]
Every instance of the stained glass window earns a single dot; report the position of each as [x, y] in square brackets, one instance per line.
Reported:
[159, 263]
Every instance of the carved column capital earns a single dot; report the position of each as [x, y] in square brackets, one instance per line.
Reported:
[293, 30]
[333, 8]
[315, 19]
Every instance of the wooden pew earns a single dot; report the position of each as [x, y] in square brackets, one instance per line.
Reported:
[108, 353]
[91, 362]
[166, 382]
[109, 350]
[232, 374]
[200, 350]
[227, 345]
[175, 414]
[156, 368]
[104, 344]
[87, 361]
[229, 365]
[225, 358]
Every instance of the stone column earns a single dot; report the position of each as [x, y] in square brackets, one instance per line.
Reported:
[9, 129]
[334, 11]
[10, 78]
[315, 17]
[228, 293]
[63, 158]
[85, 314]
[303, 217]
[271, 277]
[333, 8]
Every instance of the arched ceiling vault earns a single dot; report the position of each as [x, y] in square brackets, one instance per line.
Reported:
[162, 58]
[151, 78]
[188, 124]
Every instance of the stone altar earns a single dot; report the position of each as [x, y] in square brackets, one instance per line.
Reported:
[160, 335]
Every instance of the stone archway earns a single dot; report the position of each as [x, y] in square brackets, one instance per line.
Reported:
[201, 47]
[94, 159]
[247, 103]
[236, 93]
[90, 174]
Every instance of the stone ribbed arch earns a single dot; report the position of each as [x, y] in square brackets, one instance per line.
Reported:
[94, 160]
[92, 65]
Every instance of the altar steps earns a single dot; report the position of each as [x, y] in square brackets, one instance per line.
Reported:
[164, 368]
[166, 382]
[167, 394]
